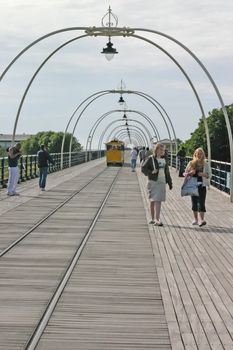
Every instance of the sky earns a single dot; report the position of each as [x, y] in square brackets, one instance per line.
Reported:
[79, 70]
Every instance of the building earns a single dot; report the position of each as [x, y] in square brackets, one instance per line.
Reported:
[5, 139]
[167, 143]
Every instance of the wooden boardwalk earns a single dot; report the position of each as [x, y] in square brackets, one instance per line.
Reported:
[136, 286]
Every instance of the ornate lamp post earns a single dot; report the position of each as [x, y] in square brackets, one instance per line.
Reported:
[109, 50]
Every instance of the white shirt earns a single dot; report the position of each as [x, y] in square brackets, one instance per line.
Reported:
[161, 174]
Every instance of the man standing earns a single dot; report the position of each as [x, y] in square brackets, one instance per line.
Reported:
[181, 157]
[133, 155]
[14, 154]
[142, 154]
[43, 158]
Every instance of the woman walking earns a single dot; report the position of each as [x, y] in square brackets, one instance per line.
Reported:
[157, 170]
[198, 167]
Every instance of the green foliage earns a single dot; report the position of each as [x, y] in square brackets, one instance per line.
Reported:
[220, 149]
[52, 141]
[3, 152]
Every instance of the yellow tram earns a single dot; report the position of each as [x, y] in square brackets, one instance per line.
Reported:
[115, 152]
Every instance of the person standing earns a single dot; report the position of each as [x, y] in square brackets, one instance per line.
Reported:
[157, 170]
[142, 154]
[148, 152]
[198, 167]
[134, 155]
[181, 157]
[14, 153]
[43, 158]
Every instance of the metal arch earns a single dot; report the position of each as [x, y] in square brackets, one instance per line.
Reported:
[135, 139]
[192, 86]
[124, 136]
[134, 132]
[134, 135]
[146, 140]
[99, 94]
[71, 140]
[95, 125]
[138, 131]
[21, 103]
[169, 119]
[95, 31]
[127, 111]
[142, 94]
[90, 138]
[206, 126]
[105, 115]
[103, 133]
[77, 120]
[33, 78]
[228, 125]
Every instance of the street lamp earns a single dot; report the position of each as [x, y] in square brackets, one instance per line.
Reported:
[109, 51]
[121, 101]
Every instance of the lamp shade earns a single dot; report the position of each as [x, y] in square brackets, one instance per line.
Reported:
[109, 51]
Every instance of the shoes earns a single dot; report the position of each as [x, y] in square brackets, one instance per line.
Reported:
[195, 222]
[16, 194]
[42, 189]
[202, 223]
[10, 194]
[158, 223]
[152, 222]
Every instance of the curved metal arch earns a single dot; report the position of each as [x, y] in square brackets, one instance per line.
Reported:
[206, 126]
[109, 91]
[126, 111]
[146, 141]
[124, 136]
[115, 121]
[143, 95]
[33, 78]
[104, 116]
[228, 125]
[134, 132]
[95, 31]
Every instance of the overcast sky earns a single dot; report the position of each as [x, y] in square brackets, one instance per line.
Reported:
[80, 70]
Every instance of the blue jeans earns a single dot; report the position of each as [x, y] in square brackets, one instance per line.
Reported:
[42, 176]
[133, 163]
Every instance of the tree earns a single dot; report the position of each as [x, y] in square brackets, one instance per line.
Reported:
[52, 140]
[220, 149]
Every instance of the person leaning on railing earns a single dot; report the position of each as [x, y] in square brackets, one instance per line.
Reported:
[14, 153]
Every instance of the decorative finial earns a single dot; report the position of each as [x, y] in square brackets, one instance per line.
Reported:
[112, 20]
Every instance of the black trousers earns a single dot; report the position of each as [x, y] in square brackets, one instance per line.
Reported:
[198, 202]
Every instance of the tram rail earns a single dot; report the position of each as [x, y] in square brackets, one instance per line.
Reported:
[34, 339]
[37, 224]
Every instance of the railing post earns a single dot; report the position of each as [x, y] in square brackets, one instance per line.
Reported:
[3, 172]
[21, 170]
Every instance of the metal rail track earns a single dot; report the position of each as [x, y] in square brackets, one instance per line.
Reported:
[13, 244]
[35, 337]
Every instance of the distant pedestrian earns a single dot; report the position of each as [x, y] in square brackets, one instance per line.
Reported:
[14, 153]
[133, 155]
[142, 154]
[157, 170]
[181, 157]
[148, 152]
[43, 158]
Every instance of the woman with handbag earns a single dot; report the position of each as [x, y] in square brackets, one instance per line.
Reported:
[199, 168]
[157, 170]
